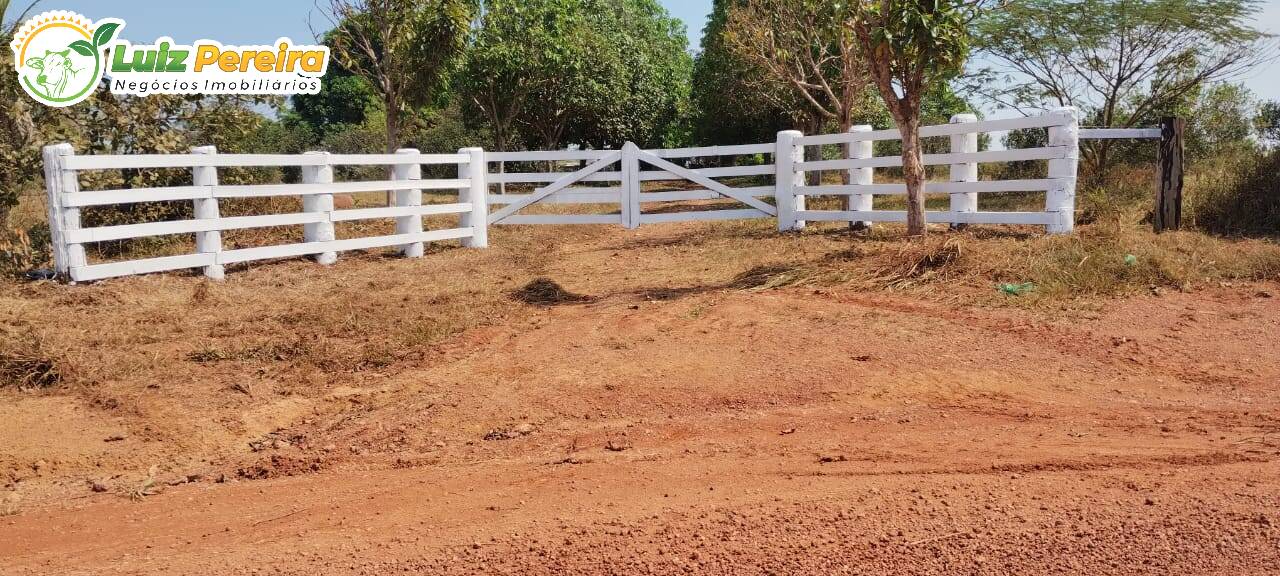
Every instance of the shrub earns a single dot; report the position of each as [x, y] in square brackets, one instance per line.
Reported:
[1242, 197]
[22, 250]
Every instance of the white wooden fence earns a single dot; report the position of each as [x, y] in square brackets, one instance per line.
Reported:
[604, 177]
[1059, 183]
[317, 217]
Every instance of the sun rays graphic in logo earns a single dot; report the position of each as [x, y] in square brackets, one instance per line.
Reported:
[60, 57]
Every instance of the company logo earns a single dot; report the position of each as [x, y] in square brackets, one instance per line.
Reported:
[60, 55]
[208, 67]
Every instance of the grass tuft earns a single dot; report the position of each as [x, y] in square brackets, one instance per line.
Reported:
[25, 365]
[545, 292]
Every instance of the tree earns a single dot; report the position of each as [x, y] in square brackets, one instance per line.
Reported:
[637, 86]
[731, 102]
[343, 100]
[590, 72]
[1219, 118]
[1267, 122]
[523, 48]
[404, 49]
[909, 46]
[1120, 62]
[807, 47]
[804, 45]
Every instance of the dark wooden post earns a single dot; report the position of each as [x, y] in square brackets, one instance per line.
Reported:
[1168, 213]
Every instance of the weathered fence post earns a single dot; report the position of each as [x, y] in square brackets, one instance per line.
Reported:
[1168, 211]
[964, 171]
[1060, 201]
[209, 242]
[786, 179]
[630, 204]
[861, 150]
[475, 169]
[59, 180]
[323, 203]
[412, 197]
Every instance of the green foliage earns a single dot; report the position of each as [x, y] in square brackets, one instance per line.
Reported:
[799, 55]
[1220, 123]
[1267, 123]
[546, 73]
[1219, 118]
[343, 101]
[19, 160]
[728, 98]
[1119, 61]
[909, 47]
[638, 89]
[444, 131]
[406, 50]
[1123, 63]
[524, 52]
[927, 40]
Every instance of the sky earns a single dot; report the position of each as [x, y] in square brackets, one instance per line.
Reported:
[262, 21]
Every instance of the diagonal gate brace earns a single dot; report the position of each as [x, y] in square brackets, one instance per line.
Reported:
[709, 183]
[559, 184]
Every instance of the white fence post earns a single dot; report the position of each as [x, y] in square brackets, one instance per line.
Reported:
[207, 209]
[861, 150]
[58, 181]
[476, 169]
[1061, 198]
[319, 231]
[965, 171]
[409, 224]
[630, 201]
[787, 179]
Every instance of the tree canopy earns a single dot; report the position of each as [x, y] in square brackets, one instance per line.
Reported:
[524, 50]
[589, 72]
[1121, 62]
[638, 86]
[731, 103]
[800, 52]
[404, 49]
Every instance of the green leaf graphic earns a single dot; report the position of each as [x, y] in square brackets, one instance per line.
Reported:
[82, 48]
[104, 33]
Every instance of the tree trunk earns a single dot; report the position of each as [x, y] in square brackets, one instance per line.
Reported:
[813, 153]
[846, 201]
[913, 173]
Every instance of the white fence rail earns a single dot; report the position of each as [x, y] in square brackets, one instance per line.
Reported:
[317, 218]
[614, 179]
[1059, 184]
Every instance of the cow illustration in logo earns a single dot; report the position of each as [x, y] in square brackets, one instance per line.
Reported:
[55, 71]
[59, 55]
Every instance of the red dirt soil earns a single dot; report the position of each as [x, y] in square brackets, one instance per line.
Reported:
[767, 432]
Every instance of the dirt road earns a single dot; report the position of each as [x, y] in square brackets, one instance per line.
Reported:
[760, 432]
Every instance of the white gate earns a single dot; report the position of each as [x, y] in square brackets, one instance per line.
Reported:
[629, 195]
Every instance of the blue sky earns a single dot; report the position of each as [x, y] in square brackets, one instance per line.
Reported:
[262, 21]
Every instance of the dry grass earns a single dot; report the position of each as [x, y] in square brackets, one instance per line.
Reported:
[25, 362]
[1089, 263]
[199, 369]
[545, 292]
